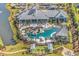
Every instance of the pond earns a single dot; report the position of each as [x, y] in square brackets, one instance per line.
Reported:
[5, 29]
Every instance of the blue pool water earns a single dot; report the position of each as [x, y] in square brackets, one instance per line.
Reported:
[47, 33]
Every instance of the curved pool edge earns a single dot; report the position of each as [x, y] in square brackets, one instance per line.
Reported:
[45, 34]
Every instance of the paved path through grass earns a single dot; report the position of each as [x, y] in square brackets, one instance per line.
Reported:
[1, 52]
[65, 51]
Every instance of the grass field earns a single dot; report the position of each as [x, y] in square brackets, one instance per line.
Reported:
[1, 42]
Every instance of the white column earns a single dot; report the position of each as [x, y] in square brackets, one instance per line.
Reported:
[33, 46]
[50, 47]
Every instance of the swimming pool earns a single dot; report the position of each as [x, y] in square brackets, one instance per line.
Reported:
[46, 34]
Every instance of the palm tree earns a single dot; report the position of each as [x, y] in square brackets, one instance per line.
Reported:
[68, 23]
[46, 50]
[38, 51]
[78, 28]
[78, 31]
[70, 36]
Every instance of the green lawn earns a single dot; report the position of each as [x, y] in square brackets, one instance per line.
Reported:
[55, 54]
[17, 47]
[19, 54]
[69, 46]
[38, 50]
[1, 42]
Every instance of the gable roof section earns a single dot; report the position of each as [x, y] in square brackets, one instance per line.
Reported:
[37, 15]
[24, 16]
[51, 13]
[61, 14]
[40, 15]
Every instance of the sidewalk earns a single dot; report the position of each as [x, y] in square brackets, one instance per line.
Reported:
[67, 52]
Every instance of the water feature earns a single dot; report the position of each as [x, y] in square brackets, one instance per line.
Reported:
[47, 33]
[5, 29]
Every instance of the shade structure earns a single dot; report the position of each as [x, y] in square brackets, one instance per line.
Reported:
[63, 32]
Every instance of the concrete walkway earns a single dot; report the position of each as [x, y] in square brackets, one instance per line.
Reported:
[1, 52]
[67, 52]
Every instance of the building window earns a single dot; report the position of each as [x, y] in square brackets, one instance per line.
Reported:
[61, 19]
[34, 21]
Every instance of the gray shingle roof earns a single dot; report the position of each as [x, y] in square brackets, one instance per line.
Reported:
[51, 13]
[25, 16]
[62, 14]
[39, 14]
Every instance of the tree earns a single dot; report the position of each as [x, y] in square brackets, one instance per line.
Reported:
[70, 36]
[68, 24]
[78, 32]
[78, 28]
